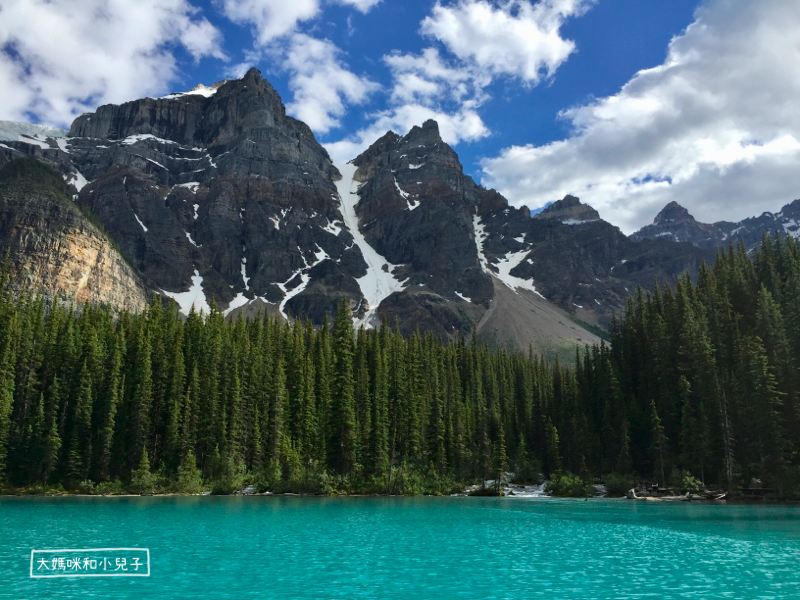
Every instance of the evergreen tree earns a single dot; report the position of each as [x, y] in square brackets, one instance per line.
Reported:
[7, 361]
[80, 450]
[499, 460]
[658, 446]
[142, 480]
[342, 443]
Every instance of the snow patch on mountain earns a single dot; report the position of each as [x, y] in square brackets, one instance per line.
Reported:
[76, 179]
[140, 137]
[411, 204]
[140, 222]
[507, 264]
[319, 256]
[379, 282]
[191, 186]
[199, 90]
[237, 302]
[62, 144]
[333, 227]
[791, 227]
[193, 297]
[277, 220]
[245, 278]
[480, 237]
[503, 267]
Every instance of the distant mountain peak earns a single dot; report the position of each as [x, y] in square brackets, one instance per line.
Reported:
[569, 209]
[674, 222]
[673, 213]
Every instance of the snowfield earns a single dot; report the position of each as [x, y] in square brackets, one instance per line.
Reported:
[377, 284]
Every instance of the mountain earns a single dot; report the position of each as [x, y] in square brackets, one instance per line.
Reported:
[57, 249]
[674, 222]
[218, 196]
[457, 244]
[570, 211]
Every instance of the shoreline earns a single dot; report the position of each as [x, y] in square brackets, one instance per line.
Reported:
[736, 501]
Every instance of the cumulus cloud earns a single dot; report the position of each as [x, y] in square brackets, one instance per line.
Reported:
[514, 37]
[59, 58]
[428, 78]
[481, 41]
[715, 128]
[270, 19]
[363, 6]
[321, 83]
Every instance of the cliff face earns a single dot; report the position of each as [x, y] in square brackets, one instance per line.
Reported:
[54, 248]
[224, 187]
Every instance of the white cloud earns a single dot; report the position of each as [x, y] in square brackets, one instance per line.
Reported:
[271, 19]
[321, 83]
[59, 58]
[363, 6]
[483, 41]
[715, 128]
[318, 77]
[425, 86]
[428, 78]
[514, 37]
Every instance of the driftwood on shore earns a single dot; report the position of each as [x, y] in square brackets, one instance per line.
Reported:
[688, 497]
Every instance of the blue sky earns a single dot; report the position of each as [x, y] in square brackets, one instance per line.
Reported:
[626, 104]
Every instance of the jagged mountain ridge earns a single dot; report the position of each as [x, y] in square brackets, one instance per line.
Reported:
[456, 241]
[220, 193]
[675, 222]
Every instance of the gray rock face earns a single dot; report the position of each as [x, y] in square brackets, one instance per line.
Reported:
[416, 209]
[585, 267]
[226, 185]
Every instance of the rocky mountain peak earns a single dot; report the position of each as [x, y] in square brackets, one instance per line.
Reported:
[675, 223]
[427, 135]
[570, 208]
[201, 117]
[673, 213]
[420, 152]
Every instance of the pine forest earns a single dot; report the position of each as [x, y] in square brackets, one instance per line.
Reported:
[698, 382]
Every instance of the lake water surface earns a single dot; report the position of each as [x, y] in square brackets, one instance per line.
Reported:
[294, 547]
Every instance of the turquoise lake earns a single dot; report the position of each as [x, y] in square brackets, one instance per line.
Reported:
[296, 547]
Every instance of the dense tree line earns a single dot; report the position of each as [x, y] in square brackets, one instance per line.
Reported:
[88, 398]
[704, 378]
[701, 379]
